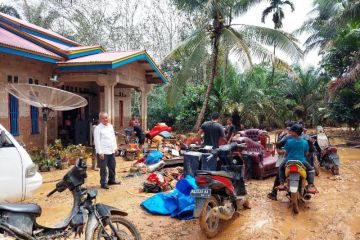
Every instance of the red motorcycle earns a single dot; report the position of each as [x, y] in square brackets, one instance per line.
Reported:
[220, 193]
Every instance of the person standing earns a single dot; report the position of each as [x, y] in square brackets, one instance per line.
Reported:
[230, 129]
[213, 131]
[106, 146]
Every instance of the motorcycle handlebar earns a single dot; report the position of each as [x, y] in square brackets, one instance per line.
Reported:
[52, 192]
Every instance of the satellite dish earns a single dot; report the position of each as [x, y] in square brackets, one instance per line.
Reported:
[47, 98]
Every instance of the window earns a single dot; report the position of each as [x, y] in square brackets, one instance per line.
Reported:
[12, 79]
[34, 119]
[36, 82]
[30, 81]
[14, 115]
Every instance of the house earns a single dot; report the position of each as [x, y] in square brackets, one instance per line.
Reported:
[34, 55]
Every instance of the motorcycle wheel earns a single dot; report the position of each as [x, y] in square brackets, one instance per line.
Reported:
[295, 202]
[124, 228]
[335, 170]
[316, 165]
[209, 224]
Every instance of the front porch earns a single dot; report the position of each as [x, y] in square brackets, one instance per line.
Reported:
[107, 90]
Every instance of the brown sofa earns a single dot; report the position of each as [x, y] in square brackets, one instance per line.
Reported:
[259, 163]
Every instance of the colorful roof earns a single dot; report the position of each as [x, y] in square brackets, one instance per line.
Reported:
[25, 39]
[16, 43]
[32, 28]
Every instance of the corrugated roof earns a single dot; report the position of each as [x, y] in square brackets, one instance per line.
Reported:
[104, 57]
[62, 46]
[12, 40]
[36, 28]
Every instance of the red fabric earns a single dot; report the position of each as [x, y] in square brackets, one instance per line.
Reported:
[158, 129]
[156, 178]
[263, 140]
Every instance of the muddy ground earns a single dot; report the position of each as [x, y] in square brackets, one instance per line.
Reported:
[332, 214]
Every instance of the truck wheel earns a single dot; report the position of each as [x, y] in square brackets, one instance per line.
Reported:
[295, 202]
[209, 224]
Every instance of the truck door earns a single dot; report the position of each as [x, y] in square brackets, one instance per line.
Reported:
[11, 171]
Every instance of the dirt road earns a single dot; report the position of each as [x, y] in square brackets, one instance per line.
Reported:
[332, 214]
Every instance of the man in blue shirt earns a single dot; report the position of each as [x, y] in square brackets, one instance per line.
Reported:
[297, 148]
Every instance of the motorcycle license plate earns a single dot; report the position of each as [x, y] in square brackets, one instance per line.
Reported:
[200, 193]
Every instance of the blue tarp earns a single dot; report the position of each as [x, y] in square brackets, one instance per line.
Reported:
[165, 134]
[153, 157]
[177, 203]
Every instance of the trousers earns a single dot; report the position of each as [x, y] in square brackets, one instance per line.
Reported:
[107, 165]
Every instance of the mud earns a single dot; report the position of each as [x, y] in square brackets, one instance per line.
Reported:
[332, 214]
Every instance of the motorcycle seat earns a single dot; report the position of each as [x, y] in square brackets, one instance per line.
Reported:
[216, 173]
[21, 208]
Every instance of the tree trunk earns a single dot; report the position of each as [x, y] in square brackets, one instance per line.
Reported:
[273, 67]
[215, 53]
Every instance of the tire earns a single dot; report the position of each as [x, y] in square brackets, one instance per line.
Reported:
[209, 224]
[132, 234]
[316, 165]
[335, 170]
[295, 202]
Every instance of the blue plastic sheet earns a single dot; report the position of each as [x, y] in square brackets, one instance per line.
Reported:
[178, 203]
[165, 134]
[153, 157]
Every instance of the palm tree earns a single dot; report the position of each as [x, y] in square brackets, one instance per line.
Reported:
[217, 31]
[9, 10]
[305, 88]
[277, 18]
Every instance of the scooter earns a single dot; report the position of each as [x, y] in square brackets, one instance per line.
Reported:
[326, 156]
[97, 220]
[220, 193]
[295, 173]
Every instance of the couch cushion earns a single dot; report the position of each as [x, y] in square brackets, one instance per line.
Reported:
[269, 163]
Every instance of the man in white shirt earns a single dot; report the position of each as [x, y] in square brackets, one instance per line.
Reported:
[106, 146]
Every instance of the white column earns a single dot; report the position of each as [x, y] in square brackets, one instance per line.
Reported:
[109, 97]
[144, 110]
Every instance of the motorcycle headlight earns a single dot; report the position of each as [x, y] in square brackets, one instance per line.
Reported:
[31, 170]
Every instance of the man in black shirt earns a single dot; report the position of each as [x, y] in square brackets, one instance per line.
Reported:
[230, 129]
[212, 130]
[139, 133]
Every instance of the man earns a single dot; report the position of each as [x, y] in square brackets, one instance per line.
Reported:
[213, 131]
[105, 146]
[139, 133]
[297, 148]
[230, 129]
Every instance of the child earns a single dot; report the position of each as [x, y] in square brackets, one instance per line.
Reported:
[296, 148]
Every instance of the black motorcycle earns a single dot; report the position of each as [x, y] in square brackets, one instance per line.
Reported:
[326, 156]
[99, 221]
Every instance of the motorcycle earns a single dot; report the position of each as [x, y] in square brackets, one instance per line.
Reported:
[99, 221]
[295, 173]
[326, 156]
[220, 193]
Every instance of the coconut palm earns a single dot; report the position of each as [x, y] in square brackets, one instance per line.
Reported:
[278, 13]
[218, 33]
[277, 18]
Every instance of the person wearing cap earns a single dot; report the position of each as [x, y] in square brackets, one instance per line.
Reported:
[297, 148]
[213, 131]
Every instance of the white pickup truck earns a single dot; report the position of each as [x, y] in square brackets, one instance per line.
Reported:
[18, 174]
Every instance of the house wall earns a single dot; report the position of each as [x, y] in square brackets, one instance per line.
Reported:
[25, 68]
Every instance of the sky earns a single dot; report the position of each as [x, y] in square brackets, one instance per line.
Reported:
[292, 21]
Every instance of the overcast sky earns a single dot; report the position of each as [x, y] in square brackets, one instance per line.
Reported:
[292, 21]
